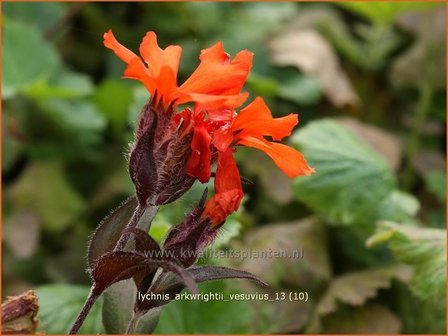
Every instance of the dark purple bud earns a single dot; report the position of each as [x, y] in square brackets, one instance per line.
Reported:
[158, 156]
[186, 240]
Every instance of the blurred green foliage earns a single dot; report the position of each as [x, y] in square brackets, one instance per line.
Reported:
[68, 120]
[62, 304]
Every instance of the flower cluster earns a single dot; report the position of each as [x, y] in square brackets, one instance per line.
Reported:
[174, 146]
[212, 129]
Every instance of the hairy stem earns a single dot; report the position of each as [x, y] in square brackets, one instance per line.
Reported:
[121, 243]
[413, 145]
[133, 222]
[91, 298]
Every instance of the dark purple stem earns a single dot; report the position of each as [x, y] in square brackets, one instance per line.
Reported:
[91, 298]
[133, 222]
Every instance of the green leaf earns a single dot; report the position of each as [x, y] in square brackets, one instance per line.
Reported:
[64, 85]
[431, 314]
[351, 179]
[79, 115]
[59, 306]
[43, 189]
[436, 183]
[252, 24]
[270, 14]
[425, 249]
[263, 85]
[65, 128]
[41, 15]
[26, 57]
[398, 206]
[113, 99]
[385, 12]
[205, 317]
[303, 90]
[55, 126]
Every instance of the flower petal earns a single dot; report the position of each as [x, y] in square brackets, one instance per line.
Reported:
[121, 51]
[222, 138]
[215, 54]
[166, 87]
[163, 64]
[156, 58]
[228, 191]
[137, 70]
[227, 174]
[220, 115]
[216, 75]
[220, 206]
[212, 101]
[289, 160]
[199, 163]
[256, 120]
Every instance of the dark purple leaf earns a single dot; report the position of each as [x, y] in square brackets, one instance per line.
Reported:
[109, 230]
[144, 243]
[186, 277]
[120, 265]
[208, 273]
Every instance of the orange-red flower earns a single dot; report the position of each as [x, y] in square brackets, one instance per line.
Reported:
[248, 128]
[216, 82]
[215, 89]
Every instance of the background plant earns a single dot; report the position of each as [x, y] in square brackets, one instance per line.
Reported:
[373, 219]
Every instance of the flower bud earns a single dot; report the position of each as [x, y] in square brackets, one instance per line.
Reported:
[159, 154]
